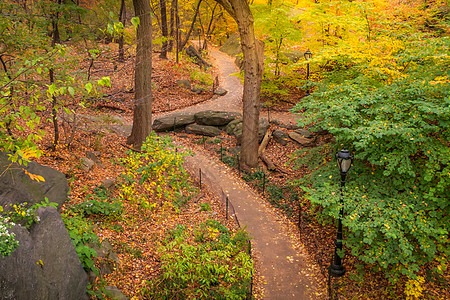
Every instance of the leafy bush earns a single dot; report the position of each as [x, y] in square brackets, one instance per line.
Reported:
[197, 74]
[398, 126]
[82, 234]
[259, 176]
[27, 216]
[99, 204]
[213, 264]
[155, 175]
[232, 161]
[282, 197]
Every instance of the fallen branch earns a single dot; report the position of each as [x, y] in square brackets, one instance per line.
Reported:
[270, 165]
[264, 143]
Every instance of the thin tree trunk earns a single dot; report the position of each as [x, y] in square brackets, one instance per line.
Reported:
[172, 26]
[122, 20]
[177, 29]
[210, 27]
[142, 117]
[11, 93]
[55, 40]
[164, 29]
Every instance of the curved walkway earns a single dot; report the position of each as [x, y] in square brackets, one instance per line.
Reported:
[281, 260]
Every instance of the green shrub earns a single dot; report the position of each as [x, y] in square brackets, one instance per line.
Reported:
[214, 141]
[196, 74]
[8, 242]
[82, 234]
[27, 216]
[205, 207]
[99, 204]
[283, 197]
[259, 176]
[396, 200]
[213, 264]
[232, 161]
[155, 175]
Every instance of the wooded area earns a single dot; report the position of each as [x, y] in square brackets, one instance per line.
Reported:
[377, 84]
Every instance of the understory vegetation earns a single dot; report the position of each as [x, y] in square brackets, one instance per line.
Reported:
[196, 262]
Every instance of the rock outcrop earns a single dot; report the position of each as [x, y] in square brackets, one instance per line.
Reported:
[215, 118]
[204, 130]
[280, 137]
[172, 121]
[17, 187]
[45, 265]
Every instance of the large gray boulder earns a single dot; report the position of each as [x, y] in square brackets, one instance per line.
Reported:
[220, 91]
[45, 265]
[174, 120]
[305, 133]
[215, 118]
[280, 137]
[17, 187]
[300, 139]
[203, 130]
[235, 128]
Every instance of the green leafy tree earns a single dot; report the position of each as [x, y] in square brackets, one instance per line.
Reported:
[277, 27]
[398, 125]
[36, 74]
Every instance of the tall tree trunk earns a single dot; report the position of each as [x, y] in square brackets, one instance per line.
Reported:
[253, 51]
[164, 29]
[122, 20]
[142, 116]
[55, 40]
[8, 118]
[177, 29]
[172, 25]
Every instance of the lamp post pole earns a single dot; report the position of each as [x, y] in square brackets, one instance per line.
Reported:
[344, 159]
[307, 56]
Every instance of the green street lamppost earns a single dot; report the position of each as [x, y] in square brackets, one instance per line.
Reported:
[344, 160]
[308, 56]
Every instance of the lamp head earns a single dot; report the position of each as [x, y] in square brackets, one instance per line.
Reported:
[344, 159]
[307, 55]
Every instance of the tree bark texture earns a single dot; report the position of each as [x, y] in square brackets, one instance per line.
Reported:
[142, 116]
[177, 29]
[253, 51]
[164, 29]
[122, 20]
[172, 26]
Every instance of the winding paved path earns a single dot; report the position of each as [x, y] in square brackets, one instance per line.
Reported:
[281, 260]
